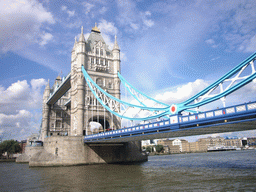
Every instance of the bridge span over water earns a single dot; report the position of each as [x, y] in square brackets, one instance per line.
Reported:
[95, 91]
[230, 119]
[174, 124]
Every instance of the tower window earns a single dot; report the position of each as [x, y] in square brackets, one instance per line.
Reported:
[99, 82]
[101, 52]
[97, 51]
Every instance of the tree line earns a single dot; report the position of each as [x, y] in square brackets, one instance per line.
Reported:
[9, 146]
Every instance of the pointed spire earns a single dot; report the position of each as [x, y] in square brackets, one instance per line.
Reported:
[96, 29]
[47, 89]
[74, 47]
[81, 38]
[48, 85]
[116, 45]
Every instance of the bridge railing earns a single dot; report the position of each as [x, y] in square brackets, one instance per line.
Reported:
[222, 113]
[178, 121]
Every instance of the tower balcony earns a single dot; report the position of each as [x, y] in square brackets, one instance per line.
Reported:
[98, 67]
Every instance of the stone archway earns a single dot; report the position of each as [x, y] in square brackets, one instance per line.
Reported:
[104, 123]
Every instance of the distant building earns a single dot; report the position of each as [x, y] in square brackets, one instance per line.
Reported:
[233, 142]
[203, 144]
[23, 144]
[251, 142]
[174, 146]
[212, 141]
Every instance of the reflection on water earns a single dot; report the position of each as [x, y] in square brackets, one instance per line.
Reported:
[219, 171]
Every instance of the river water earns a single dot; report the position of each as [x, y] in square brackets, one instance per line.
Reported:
[216, 171]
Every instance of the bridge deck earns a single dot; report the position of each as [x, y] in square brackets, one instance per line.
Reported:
[229, 119]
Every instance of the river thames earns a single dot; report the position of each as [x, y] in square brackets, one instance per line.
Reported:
[216, 171]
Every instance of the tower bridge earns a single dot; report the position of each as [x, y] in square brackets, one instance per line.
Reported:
[91, 92]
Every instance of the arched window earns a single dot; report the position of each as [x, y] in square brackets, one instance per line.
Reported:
[99, 82]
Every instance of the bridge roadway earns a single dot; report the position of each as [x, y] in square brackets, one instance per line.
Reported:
[230, 119]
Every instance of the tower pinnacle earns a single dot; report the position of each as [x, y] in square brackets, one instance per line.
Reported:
[74, 47]
[81, 38]
[116, 45]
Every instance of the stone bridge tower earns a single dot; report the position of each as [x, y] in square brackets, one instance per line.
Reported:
[66, 117]
[102, 64]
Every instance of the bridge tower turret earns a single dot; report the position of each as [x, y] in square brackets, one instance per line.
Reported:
[116, 66]
[46, 111]
[79, 58]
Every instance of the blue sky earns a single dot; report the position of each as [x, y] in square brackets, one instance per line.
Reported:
[172, 48]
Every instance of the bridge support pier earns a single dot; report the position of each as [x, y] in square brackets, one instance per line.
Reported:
[71, 150]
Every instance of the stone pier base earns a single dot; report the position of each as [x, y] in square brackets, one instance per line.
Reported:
[71, 150]
[30, 151]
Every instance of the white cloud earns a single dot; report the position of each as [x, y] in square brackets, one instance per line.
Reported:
[250, 46]
[88, 7]
[21, 96]
[21, 22]
[123, 56]
[19, 104]
[134, 26]
[233, 24]
[128, 14]
[17, 91]
[210, 41]
[146, 21]
[15, 120]
[65, 9]
[107, 27]
[108, 30]
[71, 13]
[37, 83]
[103, 10]
[182, 92]
[45, 38]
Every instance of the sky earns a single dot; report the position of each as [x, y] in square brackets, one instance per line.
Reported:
[169, 49]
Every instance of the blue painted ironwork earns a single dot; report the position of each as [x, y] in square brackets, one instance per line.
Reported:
[90, 82]
[186, 104]
[228, 115]
[138, 91]
[176, 108]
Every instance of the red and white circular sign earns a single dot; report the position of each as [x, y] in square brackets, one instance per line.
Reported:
[173, 109]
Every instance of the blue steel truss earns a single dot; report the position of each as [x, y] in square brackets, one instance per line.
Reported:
[236, 83]
[115, 105]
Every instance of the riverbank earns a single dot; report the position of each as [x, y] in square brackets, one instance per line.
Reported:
[7, 160]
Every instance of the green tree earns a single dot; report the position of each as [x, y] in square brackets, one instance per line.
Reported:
[149, 149]
[10, 146]
[159, 148]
